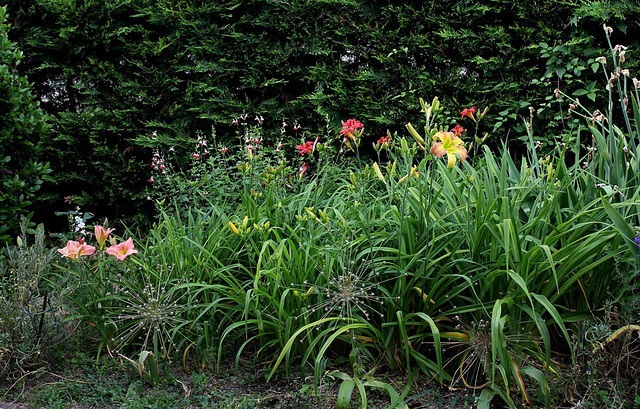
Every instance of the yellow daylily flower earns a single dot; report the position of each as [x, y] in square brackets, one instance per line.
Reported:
[451, 145]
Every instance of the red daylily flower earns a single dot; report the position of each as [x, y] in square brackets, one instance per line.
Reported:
[458, 130]
[349, 127]
[468, 112]
[308, 147]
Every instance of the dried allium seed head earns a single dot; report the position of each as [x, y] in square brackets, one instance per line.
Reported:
[557, 92]
[625, 72]
[636, 83]
[607, 30]
[601, 60]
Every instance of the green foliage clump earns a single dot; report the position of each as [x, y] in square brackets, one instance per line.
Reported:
[29, 321]
[476, 274]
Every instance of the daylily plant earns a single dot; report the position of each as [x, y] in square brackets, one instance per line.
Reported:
[451, 145]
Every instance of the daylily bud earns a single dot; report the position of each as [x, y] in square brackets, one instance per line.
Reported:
[415, 134]
[376, 169]
[422, 105]
[311, 214]
[435, 105]
[233, 228]
[404, 147]
[323, 215]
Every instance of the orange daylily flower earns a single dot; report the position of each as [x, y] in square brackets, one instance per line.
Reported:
[451, 145]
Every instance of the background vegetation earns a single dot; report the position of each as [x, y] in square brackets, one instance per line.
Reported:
[112, 72]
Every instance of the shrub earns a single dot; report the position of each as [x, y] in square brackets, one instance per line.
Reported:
[22, 122]
[30, 311]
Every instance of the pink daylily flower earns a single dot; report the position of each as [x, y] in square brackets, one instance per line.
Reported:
[122, 250]
[303, 169]
[75, 249]
[349, 128]
[451, 145]
[102, 234]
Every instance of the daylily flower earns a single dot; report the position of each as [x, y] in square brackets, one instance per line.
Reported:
[413, 173]
[349, 127]
[468, 112]
[122, 250]
[303, 169]
[101, 234]
[458, 130]
[75, 249]
[308, 147]
[450, 145]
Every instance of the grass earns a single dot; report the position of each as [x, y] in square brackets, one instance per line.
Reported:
[74, 379]
[110, 383]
